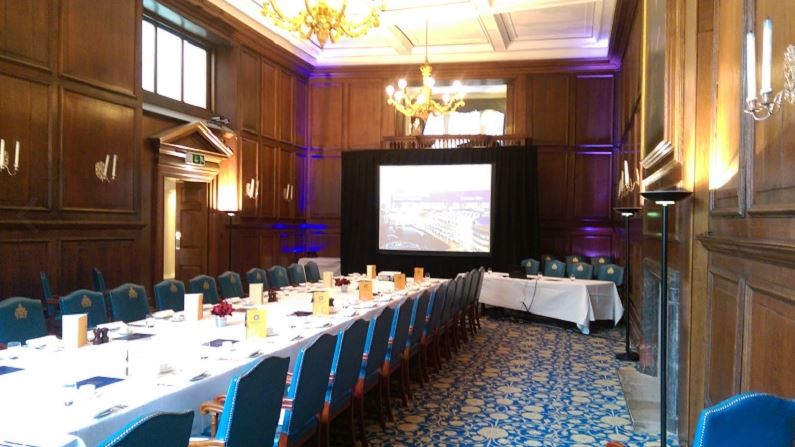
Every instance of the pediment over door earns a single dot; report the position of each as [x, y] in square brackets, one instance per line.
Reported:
[178, 145]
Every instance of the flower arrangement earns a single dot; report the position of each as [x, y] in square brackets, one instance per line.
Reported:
[222, 309]
[342, 281]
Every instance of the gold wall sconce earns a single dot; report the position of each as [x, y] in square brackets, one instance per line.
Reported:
[101, 169]
[5, 159]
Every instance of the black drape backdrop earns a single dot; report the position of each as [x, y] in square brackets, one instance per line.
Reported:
[514, 209]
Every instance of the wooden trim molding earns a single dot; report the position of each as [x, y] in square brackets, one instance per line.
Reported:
[768, 251]
[83, 224]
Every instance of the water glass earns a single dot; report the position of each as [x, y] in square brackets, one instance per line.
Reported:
[571, 277]
[69, 392]
[13, 348]
[150, 321]
[427, 277]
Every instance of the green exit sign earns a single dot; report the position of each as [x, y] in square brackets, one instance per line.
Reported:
[194, 159]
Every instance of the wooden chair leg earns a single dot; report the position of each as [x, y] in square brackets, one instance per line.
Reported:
[423, 364]
[359, 404]
[351, 425]
[405, 386]
[388, 398]
[380, 412]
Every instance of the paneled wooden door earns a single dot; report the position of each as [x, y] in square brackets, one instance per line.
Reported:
[192, 221]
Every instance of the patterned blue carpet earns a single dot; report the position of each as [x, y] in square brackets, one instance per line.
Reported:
[520, 383]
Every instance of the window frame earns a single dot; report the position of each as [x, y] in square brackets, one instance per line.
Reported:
[152, 97]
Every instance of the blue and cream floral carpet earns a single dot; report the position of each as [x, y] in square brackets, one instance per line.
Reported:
[520, 384]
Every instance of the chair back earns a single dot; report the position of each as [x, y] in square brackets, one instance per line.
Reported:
[399, 332]
[612, 272]
[437, 306]
[419, 319]
[170, 294]
[231, 287]
[277, 277]
[160, 429]
[48, 295]
[747, 419]
[312, 272]
[547, 258]
[253, 404]
[308, 388]
[21, 319]
[473, 287]
[481, 274]
[205, 285]
[88, 302]
[555, 269]
[99, 280]
[376, 344]
[451, 300]
[347, 361]
[531, 266]
[580, 270]
[296, 273]
[129, 302]
[573, 259]
[598, 262]
[257, 276]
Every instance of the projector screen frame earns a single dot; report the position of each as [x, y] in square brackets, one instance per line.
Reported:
[493, 188]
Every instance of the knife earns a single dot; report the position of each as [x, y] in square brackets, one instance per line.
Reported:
[109, 411]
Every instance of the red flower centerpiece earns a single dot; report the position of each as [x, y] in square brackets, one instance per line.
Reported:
[342, 282]
[221, 311]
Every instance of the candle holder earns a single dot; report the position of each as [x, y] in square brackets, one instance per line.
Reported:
[5, 159]
[101, 169]
[664, 199]
[766, 104]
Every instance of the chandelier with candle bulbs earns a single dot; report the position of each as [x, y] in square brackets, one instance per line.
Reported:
[324, 19]
[423, 105]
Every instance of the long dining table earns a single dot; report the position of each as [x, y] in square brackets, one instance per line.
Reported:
[171, 366]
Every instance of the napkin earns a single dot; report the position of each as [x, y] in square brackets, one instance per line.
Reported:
[168, 313]
[41, 341]
[115, 326]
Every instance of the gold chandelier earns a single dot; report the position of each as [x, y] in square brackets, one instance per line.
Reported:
[423, 105]
[324, 19]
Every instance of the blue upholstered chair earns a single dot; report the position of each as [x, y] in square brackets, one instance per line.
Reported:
[312, 272]
[160, 429]
[257, 276]
[99, 280]
[296, 273]
[612, 272]
[598, 262]
[21, 319]
[369, 375]
[419, 323]
[748, 419]
[344, 373]
[170, 294]
[231, 286]
[277, 277]
[307, 391]
[50, 301]
[252, 405]
[573, 259]
[128, 302]
[393, 361]
[547, 258]
[205, 285]
[88, 302]
[580, 270]
[554, 268]
[531, 266]
[430, 340]
[446, 325]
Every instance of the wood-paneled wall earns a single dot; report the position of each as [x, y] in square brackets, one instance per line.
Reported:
[566, 109]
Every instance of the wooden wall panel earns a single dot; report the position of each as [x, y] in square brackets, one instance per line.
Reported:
[245, 250]
[594, 110]
[325, 172]
[724, 364]
[301, 111]
[25, 117]
[365, 102]
[592, 244]
[268, 194]
[286, 99]
[554, 242]
[591, 181]
[22, 262]
[115, 257]
[549, 110]
[25, 31]
[249, 99]
[270, 107]
[249, 170]
[325, 243]
[93, 128]
[769, 330]
[553, 166]
[98, 44]
[326, 118]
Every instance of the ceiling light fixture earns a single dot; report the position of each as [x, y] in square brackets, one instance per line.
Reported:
[325, 19]
[423, 104]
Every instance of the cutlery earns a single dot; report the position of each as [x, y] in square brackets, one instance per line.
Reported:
[109, 411]
[297, 337]
[255, 354]
[201, 376]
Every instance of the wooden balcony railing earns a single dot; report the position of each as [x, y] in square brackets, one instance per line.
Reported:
[452, 141]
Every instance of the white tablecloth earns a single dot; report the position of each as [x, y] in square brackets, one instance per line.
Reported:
[579, 301]
[35, 396]
[325, 264]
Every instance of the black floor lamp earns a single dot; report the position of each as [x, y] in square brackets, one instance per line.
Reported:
[627, 212]
[664, 199]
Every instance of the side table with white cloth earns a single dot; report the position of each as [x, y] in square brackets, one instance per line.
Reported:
[325, 264]
[579, 301]
[175, 366]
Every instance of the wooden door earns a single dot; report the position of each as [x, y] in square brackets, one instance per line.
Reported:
[192, 219]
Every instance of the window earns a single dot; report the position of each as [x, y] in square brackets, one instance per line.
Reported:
[173, 66]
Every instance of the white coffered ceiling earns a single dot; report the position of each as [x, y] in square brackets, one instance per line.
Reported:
[459, 31]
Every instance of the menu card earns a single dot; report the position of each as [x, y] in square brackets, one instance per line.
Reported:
[193, 306]
[400, 281]
[320, 303]
[257, 322]
[74, 330]
[371, 273]
[419, 274]
[328, 279]
[255, 293]
[365, 290]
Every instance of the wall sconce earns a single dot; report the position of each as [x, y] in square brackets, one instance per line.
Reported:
[766, 106]
[5, 159]
[101, 169]
[252, 189]
[287, 192]
[626, 185]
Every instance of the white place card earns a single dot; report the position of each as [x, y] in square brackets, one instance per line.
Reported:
[193, 306]
[74, 330]
[255, 293]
